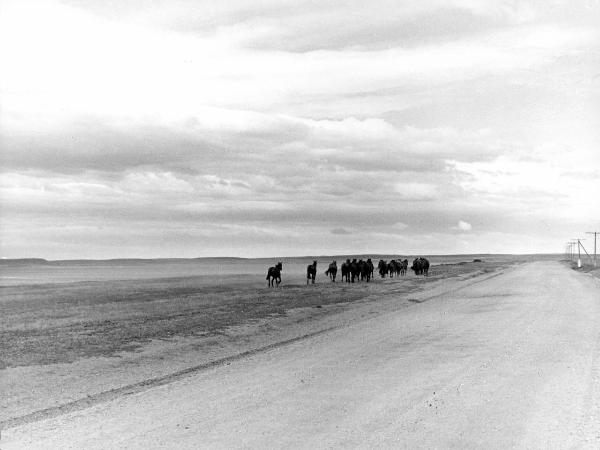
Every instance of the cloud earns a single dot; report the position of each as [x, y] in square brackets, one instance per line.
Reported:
[339, 231]
[216, 125]
[463, 226]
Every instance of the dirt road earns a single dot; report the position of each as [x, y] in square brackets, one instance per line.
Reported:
[511, 361]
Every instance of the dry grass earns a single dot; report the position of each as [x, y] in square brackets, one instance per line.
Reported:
[55, 323]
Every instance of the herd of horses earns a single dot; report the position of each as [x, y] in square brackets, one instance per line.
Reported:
[354, 271]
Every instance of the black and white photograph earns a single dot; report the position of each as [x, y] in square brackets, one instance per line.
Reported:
[281, 224]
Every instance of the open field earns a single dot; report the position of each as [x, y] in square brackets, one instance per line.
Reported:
[61, 342]
[57, 323]
[504, 359]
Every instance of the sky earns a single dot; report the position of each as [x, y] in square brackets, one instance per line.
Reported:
[278, 128]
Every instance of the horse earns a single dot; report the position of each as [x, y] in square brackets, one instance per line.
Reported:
[391, 268]
[371, 267]
[425, 267]
[274, 274]
[383, 268]
[311, 272]
[346, 271]
[398, 267]
[332, 271]
[354, 270]
[365, 270]
[403, 267]
[421, 266]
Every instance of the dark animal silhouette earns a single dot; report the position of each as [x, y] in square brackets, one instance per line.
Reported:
[403, 267]
[365, 270]
[346, 271]
[421, 266]
[383, 268]
[354, 270]
[371, 268]
[311, 272]
[332, 271]
[391, 268]
[274, 274]
[398, 267]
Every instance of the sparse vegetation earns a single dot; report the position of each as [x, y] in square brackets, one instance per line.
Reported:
[51, 323]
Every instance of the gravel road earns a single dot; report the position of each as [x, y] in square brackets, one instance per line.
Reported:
[508, 362]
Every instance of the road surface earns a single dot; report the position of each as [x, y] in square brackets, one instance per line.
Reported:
[511, 361]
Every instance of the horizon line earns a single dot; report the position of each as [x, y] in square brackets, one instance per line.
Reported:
[177, 258]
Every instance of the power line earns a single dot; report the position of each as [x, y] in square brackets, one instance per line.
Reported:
[595, 233]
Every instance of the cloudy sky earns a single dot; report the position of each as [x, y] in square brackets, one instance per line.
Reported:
[261, 128]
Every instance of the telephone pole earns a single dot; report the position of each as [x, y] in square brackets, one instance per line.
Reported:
[595, 233]
[571, 252]
[577, 241]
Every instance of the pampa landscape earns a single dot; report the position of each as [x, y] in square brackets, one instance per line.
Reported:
[298, 224]
[87, 343]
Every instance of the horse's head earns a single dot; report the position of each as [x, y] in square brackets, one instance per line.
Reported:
[279, 265]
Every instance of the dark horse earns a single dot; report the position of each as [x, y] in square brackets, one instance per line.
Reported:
[391, 268]
[346, 270]
[365, 270]
[311, 272]
[355, 270]
[403, 267]
[332, 271]
[274, 274]
[383, 268]
[371, 267]
[421, 266]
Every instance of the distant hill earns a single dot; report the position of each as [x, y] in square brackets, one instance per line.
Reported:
[232, 259]
[18, 261]
[115, 261]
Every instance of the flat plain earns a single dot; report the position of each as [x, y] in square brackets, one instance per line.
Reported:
[86, 344]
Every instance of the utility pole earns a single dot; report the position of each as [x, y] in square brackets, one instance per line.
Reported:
[576, 241]
[595, 233]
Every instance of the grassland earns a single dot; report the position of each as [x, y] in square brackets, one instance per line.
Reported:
[63, 342]
[60, 323]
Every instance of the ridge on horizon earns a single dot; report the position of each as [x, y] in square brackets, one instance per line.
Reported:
[33, 260]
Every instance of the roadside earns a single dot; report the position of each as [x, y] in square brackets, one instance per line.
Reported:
[587, 268]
